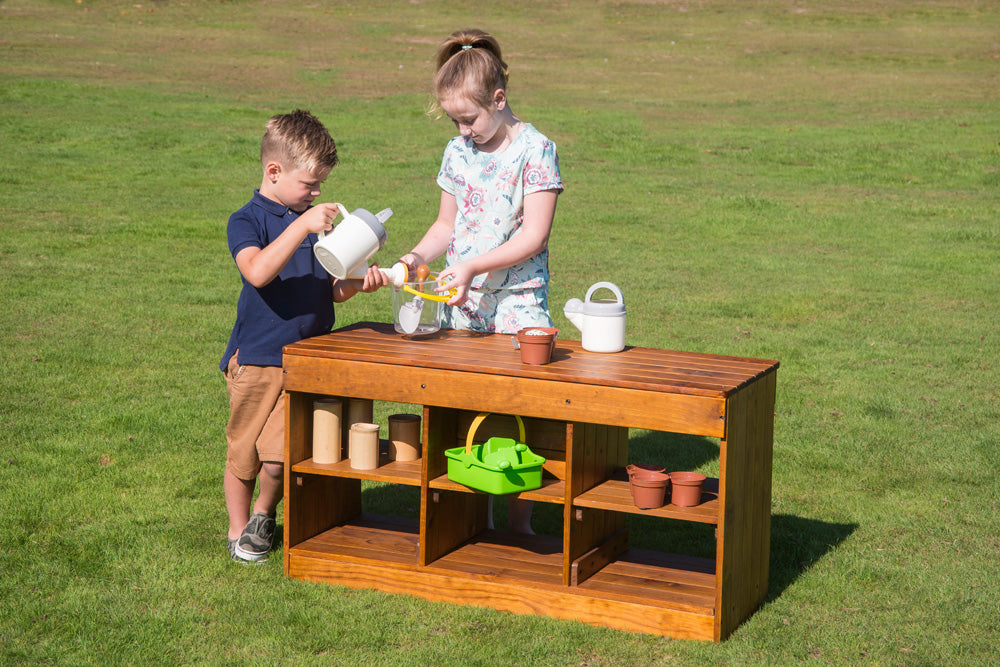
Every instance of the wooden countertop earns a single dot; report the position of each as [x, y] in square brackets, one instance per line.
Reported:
[648, 369]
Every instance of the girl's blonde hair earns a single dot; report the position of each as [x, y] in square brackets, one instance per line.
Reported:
[298, 140]
[469, 62]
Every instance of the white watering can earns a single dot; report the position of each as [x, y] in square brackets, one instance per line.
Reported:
[345, 251]
[601, 321]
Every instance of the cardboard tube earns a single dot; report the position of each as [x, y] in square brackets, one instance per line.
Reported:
[356, 411]
[326, 430]
[404, 437]
[363, 446]
[360, 410]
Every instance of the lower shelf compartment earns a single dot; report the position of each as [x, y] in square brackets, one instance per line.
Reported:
[641, 591]
[650, 577]
[505, 557]
[369, 537]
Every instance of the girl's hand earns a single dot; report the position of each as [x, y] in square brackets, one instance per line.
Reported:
[411, 261]
[457, 277]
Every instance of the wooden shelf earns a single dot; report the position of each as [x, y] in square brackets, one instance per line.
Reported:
[614, 495]
[502, 556]
[396, 472]
[369, 537]
[551, 491]
[666, 580]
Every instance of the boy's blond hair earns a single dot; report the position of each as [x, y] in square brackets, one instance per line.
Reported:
[298, 140]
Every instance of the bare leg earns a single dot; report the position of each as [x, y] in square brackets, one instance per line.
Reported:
[238, 493]
[519, 515]
[272, 488]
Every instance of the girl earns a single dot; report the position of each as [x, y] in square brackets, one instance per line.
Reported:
[499, 183]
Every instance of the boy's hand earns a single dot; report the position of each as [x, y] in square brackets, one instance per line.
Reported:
[319, 218]
[374, 280]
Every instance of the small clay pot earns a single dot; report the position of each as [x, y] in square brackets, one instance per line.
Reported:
[685, 488]
[537, 344]
[642, 468]
[649, 489]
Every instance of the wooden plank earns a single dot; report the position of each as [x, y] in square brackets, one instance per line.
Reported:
[597, 450]
[369, 538]
[492, 562]
[743, 549]
[591, 607]
[486, 392]
[614, 494]
[367, 338]
[448, 518]
[642, 368]
[396, 472]
[551, 491]
[312, 504]
[594, 560]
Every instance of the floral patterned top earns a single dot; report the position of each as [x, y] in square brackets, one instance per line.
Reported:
[489, 189]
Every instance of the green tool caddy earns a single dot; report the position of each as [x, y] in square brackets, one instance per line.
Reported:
[498, 466]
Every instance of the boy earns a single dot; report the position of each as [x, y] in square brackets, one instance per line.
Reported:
[286, 296]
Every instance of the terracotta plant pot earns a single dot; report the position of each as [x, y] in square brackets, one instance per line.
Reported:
[649, 489]
[642, 468]
[537, 344]
[685, 488]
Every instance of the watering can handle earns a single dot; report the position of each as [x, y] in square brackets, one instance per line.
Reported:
[479, 420]
[610, 286]
[343, 214]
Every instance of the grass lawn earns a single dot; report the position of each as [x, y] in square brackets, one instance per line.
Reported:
[812, 182]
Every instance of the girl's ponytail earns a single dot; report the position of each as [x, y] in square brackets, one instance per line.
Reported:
[470, 61]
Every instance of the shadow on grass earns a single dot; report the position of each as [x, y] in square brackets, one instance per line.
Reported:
[797, 544]
[673, 451]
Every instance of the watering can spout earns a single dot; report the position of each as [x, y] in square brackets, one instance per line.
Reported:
[573, 310]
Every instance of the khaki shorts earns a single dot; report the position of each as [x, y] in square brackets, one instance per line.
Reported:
[256, 430]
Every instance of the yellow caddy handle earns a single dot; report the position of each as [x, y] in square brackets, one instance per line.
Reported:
[479, 420]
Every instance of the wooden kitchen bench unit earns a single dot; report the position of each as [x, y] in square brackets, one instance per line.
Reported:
[577, 412]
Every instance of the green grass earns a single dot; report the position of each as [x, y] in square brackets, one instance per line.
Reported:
[810, 182]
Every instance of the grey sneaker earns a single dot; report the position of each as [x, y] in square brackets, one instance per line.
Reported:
[231, 547]
[255, 542]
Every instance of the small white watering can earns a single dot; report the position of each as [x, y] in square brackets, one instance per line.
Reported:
[601, 321]
[345, 251]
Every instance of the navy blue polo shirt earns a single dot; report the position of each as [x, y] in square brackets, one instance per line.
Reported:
[297, 304]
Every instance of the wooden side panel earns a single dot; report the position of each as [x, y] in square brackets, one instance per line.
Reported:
[743, 551]
[312, 504]
[597, 558]
[597, 450]
[447, 518]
